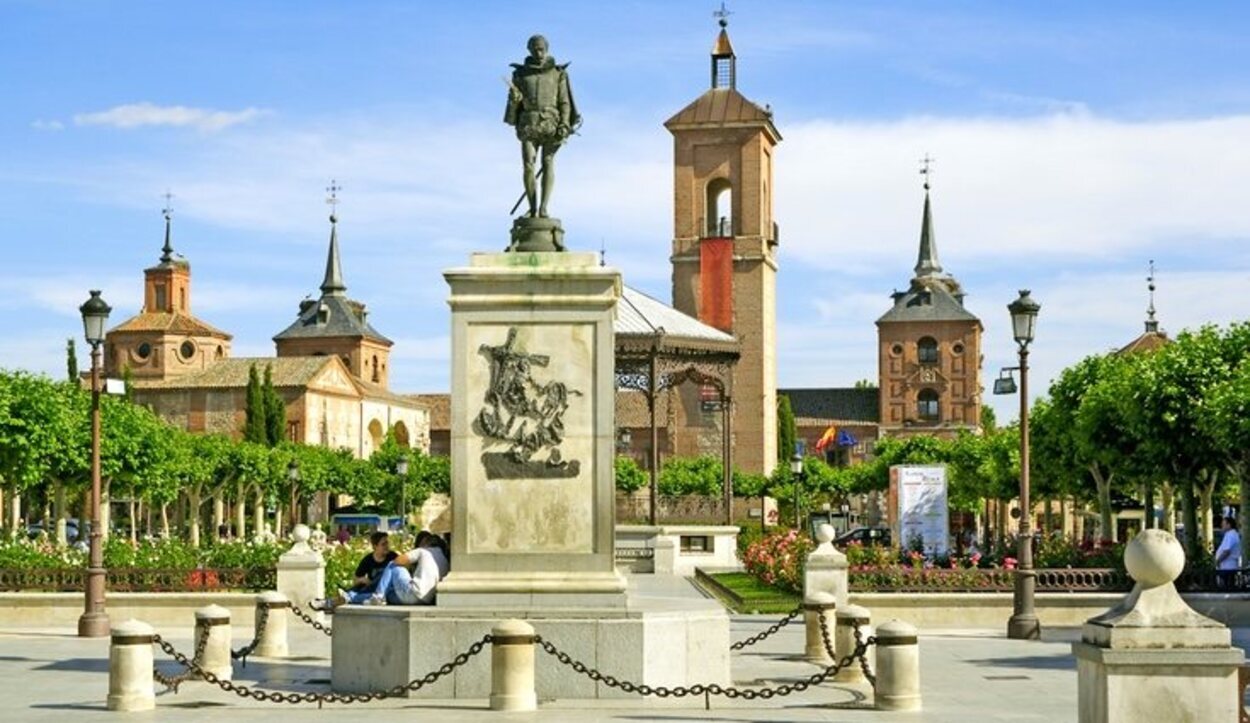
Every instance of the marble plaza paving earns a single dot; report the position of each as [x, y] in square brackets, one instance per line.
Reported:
[50, 675]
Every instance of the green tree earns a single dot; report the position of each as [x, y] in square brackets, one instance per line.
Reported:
[786, 433]
[629, 476]
[254, 404]
[71, 360]
[275, 410]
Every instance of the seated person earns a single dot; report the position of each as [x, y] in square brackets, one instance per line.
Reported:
[367, 572]
[398, 586]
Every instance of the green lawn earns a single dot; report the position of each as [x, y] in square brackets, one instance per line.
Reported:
[746, 594]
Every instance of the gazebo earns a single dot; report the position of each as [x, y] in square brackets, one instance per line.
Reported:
[658, 349]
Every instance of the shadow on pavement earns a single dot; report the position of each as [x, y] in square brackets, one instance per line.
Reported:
[1039, 662]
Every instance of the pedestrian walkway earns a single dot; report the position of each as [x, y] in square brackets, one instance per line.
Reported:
[50, 675]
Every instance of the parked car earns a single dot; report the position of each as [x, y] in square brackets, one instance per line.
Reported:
[866, 536]
[34, 529]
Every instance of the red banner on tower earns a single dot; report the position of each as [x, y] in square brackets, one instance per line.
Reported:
[716, 273]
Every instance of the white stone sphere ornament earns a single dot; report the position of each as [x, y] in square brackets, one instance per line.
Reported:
[824, 533]
[1154, 558]
[301, 533]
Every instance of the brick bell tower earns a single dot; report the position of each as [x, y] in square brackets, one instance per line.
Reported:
[725, 242]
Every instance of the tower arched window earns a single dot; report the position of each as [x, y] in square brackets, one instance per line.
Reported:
[720, 210]
[927, 405]
[376, 374]
[927, 350]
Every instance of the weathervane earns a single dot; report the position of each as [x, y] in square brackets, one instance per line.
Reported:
[1151, 323]
[167, 251]
[926, 169]
[333, 189]
[722, 15]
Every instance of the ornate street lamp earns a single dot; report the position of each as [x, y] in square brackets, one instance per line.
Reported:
[401, 469]
[796, 469]
[292, 474]
[1024, 624]
[94, 622]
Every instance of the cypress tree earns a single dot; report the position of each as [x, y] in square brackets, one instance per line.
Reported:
[275, 410]
[786, 433]
[254, 427]
[71, 359]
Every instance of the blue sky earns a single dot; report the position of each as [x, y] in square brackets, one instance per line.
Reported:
[1074, 142]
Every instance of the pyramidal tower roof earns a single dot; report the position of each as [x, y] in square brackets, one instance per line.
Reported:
[333, 284]
[927, 263]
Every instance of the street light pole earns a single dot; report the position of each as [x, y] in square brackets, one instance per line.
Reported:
[94, 622]
[796, 469]
[401, 468]
[1024, 624]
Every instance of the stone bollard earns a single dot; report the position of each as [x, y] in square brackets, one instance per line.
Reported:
[213, 622]
[844, 641]
[1152, 657]
[898, 667]
[820, 605]
[272, 642]
[664, 560]
[512, 667]
[826, 568]
[131, 686]
[302, 572]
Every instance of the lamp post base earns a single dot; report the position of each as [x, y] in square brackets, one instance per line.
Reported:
[1024, 627]
[93, 625]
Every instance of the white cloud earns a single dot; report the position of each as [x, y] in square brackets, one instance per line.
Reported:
[135, 115]
[1069, 185]
[47, 125]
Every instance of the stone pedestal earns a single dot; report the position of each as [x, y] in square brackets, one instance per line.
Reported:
[826, 570]
[533, 433]
[1152, 657]
[536, 235]
[302, 572]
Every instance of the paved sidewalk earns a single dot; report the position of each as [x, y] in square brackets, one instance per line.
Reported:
[50, 675]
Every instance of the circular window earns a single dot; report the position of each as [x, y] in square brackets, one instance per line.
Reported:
[187, 350]
[957, 347]
[896, 350]
[144, 350]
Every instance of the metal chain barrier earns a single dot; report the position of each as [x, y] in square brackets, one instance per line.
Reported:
[863, 662]
[246, 650]
[171, 682]
[681, 691]
[311, 621]
[772, 630]
[275, 696]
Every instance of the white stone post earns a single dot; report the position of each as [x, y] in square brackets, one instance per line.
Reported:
[273, 639]
[131, 686]
[512, 667]
[302, 573]
[844, 641]
[665, 555]
[898, 667]
[1152, 657]
[820, 605]
[213, 622]
[826, 568]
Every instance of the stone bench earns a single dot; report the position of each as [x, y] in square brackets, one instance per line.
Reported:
[658, 641]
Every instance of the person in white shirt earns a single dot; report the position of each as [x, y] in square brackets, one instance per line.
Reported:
[398, 586]
[1228, 555]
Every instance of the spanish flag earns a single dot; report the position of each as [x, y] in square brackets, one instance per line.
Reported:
[826, 439]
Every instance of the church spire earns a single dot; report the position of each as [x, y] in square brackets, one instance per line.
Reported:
[1152, 324]
[333, 284]
[927, 263]
[724, 62]
[167, 251]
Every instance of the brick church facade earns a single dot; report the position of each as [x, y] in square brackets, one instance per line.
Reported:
[331, 365]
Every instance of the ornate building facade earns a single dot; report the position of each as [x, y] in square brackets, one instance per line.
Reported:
[929, 351]
[331, 367]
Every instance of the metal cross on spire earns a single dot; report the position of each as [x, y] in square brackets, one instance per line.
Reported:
[169, 204]
[167, 251]
[1151, 323]
[926, 169]
[333, 199]
[722, 15]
